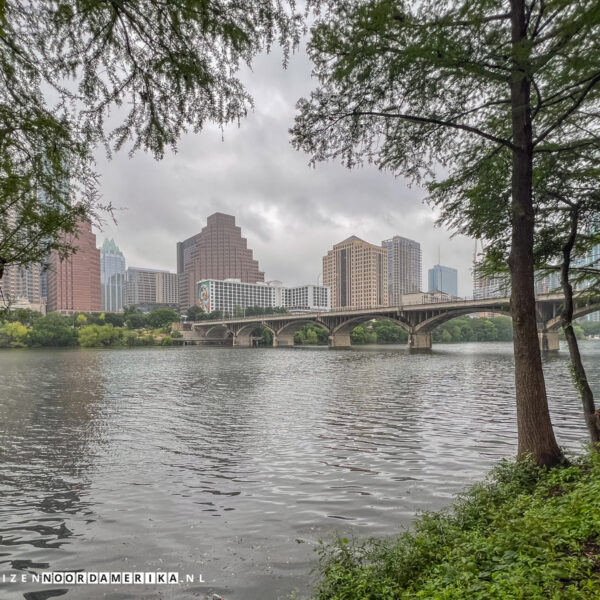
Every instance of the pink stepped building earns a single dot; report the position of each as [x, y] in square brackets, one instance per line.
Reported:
[74, 283]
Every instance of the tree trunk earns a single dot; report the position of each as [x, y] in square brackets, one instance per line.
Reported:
[592, 418]
[536, 436]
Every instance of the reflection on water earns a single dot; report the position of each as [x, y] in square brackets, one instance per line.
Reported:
[233, 463]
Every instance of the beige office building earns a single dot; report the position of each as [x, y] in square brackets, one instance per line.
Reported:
[357, 273]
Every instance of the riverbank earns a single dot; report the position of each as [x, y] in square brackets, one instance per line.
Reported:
[525, 532]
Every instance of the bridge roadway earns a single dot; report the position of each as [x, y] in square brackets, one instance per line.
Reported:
[419, 320]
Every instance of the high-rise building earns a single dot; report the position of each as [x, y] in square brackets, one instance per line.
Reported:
[357, 274]
[74, 283]
[218, 252]
[150, 288]
[167, 289]
[21, 287]
[489, 286]
[404, 267]
[443, 279]
[112, 276]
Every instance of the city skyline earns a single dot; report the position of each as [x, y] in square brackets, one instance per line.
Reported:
[290, 213]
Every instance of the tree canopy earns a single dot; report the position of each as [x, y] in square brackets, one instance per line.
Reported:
[455, 93]
[138, 74]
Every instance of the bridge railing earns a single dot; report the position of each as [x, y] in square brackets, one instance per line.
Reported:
[424, 302]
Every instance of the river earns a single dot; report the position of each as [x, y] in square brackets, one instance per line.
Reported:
[233, 463]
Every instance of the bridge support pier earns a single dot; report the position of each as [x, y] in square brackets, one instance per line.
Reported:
[548, 341]
[283, 340]
[419, 342]
[242, 341]
[340, 339]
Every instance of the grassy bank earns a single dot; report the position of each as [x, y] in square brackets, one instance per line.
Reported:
[525, 533]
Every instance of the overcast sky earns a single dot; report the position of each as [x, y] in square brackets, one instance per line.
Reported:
[290, 213]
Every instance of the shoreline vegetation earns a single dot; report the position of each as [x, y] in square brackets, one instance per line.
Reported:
[525, 532]
[29, 329]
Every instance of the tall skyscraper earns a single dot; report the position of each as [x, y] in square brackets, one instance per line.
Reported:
[147, 287]
[74, 283]
[218, 252]
[443, 279]
[112, 276]
[404, 267]
[356, 272]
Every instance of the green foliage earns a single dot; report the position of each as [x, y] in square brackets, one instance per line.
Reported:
[578, 330]
[66, 65]
[388, 332]
[23, 315]
[52, 330]
[363, 335]
[395, 87]
[266, 337]
[80, 320]
[136, 320]
[161, 317]
[13, 335]
[86, 330]
[195, 313]
[114, 319]
[526, 532]
[93, 336]
[467, 329]
[310, 334]
[590, 327]
[166, 341]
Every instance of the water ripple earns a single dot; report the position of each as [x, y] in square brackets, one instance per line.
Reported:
[222, 461]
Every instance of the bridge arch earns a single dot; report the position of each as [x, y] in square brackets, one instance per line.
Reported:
[347, 326]
[243, 334]
[431, 323]
[284, 335]
[218, 331]
[554, 324]
[295, 325]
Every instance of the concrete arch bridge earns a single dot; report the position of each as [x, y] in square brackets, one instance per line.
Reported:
[419, 320]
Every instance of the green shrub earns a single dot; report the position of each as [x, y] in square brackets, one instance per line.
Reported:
[526, 533]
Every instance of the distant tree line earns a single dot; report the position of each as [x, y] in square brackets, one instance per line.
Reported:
[27, 328]
[461, 329]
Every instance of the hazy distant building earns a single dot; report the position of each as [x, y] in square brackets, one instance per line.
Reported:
[488, 286]
[302, 298]
[150, 287]
[21, 287]
[227, 295]
[112, 276]
[167, 289]
[357, 274]
[547, 284]
[74, 283]
[431, 297]
[218, 252]
[403, 266]
[444, 279]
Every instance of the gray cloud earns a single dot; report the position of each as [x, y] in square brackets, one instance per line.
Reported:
[290, 213]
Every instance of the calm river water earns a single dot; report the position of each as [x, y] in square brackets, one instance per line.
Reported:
[233, 463]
